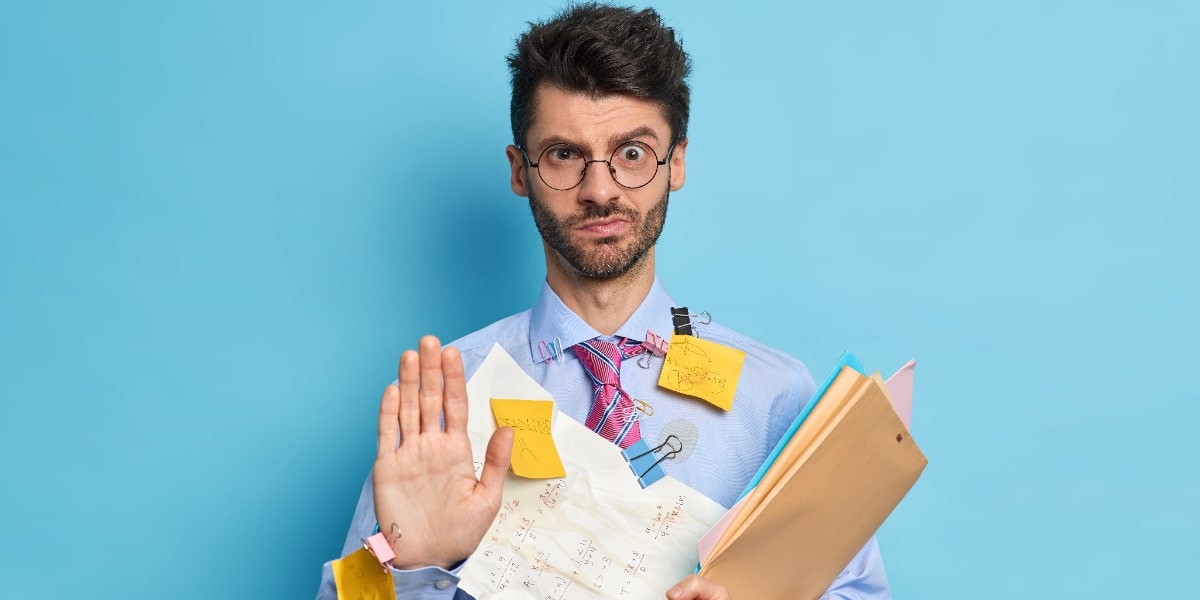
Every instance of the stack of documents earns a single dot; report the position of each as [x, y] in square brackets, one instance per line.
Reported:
[595, 533]
[845, 464]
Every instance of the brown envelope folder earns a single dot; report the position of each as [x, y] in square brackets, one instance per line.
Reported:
[836, 481]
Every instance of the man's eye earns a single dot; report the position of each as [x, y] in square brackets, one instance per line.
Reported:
[632, 153]
[564, 154]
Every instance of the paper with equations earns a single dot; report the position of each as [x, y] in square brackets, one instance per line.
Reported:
[592, 534]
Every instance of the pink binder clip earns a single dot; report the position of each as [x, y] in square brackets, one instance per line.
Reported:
[379, 546]
[656, 345]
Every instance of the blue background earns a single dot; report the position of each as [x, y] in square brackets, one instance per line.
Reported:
[223, 221]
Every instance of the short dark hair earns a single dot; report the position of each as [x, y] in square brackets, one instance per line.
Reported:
[601, 51]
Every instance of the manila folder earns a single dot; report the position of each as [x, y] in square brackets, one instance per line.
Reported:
[826, 507]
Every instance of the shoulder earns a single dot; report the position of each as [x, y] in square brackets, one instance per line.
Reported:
[510, 332]
[770, 366]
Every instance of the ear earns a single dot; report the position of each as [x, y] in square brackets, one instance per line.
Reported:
[678, 162]
[516, 162]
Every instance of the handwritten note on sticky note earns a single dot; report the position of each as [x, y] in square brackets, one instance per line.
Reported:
[360, 576]
[702, 369]
[534, 454]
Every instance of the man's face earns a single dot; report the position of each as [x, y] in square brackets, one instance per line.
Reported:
[598, 229]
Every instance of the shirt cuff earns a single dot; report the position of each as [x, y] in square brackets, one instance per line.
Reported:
[427, 582]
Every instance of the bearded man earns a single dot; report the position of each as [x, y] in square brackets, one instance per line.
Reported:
[599, 112]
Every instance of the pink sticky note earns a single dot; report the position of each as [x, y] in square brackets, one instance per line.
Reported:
[900, 390]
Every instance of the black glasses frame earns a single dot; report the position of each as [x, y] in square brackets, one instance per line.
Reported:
[612, 172]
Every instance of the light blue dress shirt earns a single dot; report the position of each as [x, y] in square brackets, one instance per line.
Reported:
[721, 450]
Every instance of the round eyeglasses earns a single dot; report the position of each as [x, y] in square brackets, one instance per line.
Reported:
[563, 166]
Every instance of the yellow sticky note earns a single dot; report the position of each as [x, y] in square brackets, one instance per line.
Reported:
[360, 577]
[534, 454]
[702, 369]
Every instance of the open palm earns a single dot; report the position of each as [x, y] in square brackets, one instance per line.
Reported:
[427, 500]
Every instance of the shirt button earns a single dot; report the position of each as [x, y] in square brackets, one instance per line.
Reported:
[442, 584]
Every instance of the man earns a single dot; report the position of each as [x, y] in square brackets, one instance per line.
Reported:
[599, 114]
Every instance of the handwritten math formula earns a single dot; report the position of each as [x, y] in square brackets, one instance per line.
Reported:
[667, 516]
[556, 542]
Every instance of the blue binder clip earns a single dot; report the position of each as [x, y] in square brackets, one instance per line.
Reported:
[642, 459]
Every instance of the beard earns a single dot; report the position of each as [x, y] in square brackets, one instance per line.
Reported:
[603, 258]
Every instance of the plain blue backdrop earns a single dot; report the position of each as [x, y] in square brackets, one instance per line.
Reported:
[222, 222]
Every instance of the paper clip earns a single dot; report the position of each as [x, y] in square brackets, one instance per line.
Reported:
[640, 455]
[378, 545]
[644, 406]
[551, 351]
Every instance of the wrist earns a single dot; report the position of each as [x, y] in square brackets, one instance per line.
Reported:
[410, 555]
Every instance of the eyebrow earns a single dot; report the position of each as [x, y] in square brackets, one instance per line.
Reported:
[640, 132]
[625, 136]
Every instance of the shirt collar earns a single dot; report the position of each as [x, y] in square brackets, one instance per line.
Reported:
[552, 325]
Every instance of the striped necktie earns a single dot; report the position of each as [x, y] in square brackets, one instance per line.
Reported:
[612, 414]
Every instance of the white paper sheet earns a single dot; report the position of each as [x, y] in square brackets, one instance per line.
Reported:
[594, 534]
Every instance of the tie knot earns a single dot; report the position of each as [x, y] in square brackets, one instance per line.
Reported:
[602, 358]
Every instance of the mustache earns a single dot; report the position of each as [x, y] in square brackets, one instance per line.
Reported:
[593, 211]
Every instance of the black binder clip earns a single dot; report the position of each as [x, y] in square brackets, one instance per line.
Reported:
[642, 460]
[682, 320]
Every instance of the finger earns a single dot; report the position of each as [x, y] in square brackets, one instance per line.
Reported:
[695, 587]
[389, 426]
[455, 383]
[430, 350]
[409, 388]
[684, 590]
[496, 462]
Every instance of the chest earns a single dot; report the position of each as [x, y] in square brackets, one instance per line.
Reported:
[719, 450]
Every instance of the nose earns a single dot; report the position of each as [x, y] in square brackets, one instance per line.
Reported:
[598, 185]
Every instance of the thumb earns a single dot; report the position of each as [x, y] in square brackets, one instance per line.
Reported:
[497, 460]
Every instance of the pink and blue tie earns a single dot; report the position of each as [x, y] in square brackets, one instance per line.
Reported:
[612, 414]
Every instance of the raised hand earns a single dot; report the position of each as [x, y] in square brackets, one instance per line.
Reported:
[427, 500]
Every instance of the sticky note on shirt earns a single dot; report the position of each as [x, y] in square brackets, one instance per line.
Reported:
[702, 369]
[360, 576]
[534, 454]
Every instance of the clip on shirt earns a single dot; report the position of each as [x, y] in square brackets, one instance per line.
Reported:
[681, 320]
[378, 545]
[642, 459]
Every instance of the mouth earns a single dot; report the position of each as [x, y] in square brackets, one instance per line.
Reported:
[606, 227]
